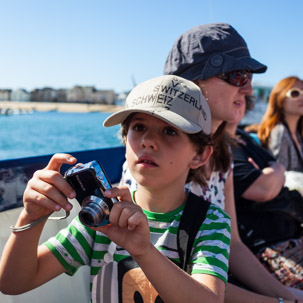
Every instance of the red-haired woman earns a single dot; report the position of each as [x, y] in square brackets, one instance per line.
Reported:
[281, 129]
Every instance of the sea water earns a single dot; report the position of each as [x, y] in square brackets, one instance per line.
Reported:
[44, 133]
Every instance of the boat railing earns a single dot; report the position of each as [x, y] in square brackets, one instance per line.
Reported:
[14, 175]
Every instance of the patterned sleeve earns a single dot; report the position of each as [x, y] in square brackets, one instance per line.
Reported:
[212, 245]
[72, 246]
[127, 179]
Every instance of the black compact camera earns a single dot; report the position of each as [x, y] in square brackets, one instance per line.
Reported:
[90, 181]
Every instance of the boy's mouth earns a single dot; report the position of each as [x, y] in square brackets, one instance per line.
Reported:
[146, 160]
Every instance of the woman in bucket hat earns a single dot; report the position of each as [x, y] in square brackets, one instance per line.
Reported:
[217, 59]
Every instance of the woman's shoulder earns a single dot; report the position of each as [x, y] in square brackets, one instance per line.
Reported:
[277, 135]
[278, 128]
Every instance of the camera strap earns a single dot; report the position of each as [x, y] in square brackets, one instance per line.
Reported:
[193, 215]
[32, 224]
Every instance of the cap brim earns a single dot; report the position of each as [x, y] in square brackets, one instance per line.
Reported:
[167, 116]
[250, 64]
[206, 70]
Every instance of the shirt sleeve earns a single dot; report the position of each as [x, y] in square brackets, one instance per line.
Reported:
[212, 244]
[245, 173]
[72, 246]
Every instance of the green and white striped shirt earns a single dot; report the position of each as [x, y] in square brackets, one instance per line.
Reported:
[78, 245]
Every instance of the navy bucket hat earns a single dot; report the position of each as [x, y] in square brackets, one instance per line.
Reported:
[208, 50]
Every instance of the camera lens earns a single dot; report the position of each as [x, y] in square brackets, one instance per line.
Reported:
[87, 218]
[94, 211]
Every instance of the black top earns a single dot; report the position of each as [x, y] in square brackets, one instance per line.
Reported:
[257, 228]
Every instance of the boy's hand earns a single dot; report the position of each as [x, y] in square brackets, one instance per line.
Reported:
[128, 224]
[122, 192]
[47, 190]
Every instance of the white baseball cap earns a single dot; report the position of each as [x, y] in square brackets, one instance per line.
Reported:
[173, 99]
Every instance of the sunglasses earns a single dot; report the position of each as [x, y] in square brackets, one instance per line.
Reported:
[236, 78]
[294, 93]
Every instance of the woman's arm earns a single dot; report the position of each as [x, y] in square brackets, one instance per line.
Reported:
[268, 185]
[239, 295]
[243, 264]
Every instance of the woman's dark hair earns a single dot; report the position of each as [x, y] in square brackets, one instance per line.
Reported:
[221, 157]
[199, 140]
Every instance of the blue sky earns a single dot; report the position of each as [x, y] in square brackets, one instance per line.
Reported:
[114, 44]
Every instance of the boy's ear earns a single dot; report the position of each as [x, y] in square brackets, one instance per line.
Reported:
[200, 159]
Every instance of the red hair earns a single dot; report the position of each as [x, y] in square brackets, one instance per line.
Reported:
[275, 112]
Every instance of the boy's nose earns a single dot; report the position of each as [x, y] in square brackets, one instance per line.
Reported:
[149, 140]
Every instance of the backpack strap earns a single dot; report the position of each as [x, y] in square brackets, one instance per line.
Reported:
[193, 215]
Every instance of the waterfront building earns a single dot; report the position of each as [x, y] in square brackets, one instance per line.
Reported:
[45, 94]
[5, 94]
[20, 94]
[89, 94]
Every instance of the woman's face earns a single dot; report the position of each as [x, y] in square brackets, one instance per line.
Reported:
[294, 106]
[225, 101]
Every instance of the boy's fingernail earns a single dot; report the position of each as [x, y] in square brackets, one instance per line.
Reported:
[109, 191]
[71, 159]
[72, 195]
[57, 207]
[68, 207]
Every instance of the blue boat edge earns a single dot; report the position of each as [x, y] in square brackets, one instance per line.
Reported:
[15, 173]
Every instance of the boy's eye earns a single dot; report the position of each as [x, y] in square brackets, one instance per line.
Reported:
[137, 127]
[170, 131]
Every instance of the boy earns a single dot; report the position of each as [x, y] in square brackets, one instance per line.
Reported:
[165, 127]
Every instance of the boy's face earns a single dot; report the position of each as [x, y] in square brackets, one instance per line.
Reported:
[157, 153]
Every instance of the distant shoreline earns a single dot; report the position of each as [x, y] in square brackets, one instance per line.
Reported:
[60, 107]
